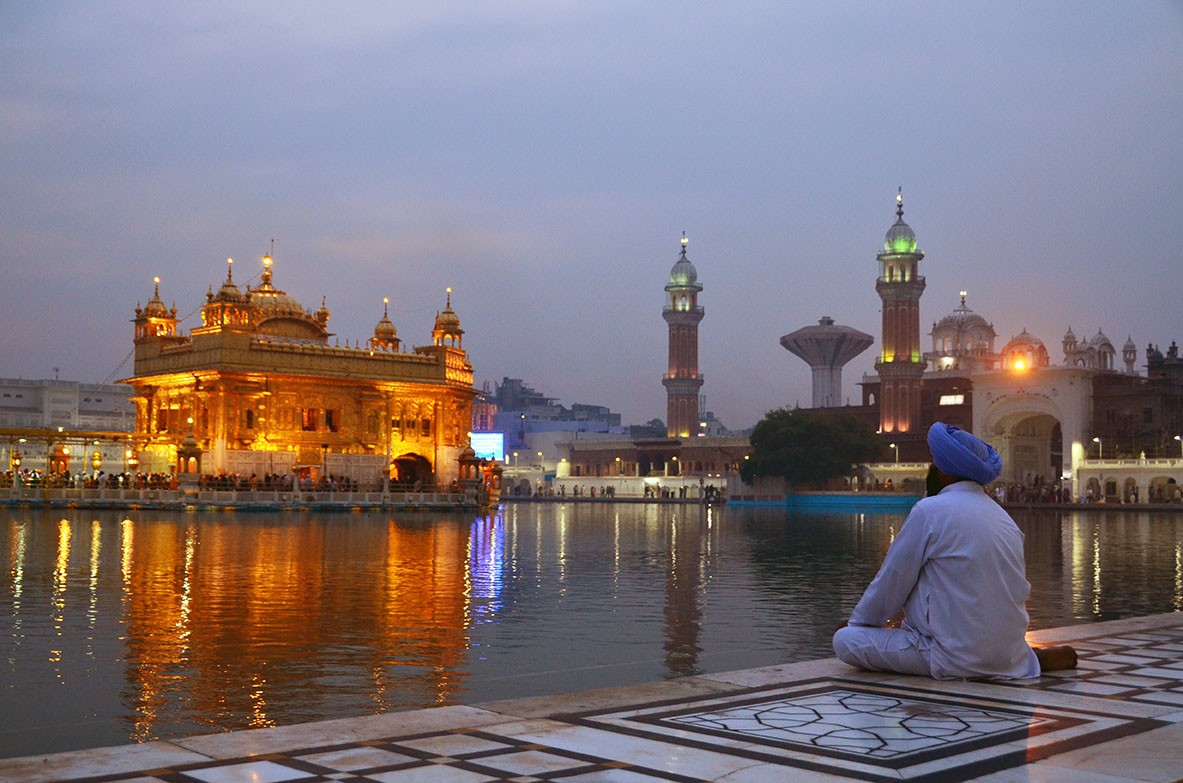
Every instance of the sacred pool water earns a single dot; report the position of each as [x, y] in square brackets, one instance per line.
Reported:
[130, 626]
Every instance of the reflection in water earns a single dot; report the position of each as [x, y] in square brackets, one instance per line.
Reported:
[683, 616]
[1178, 602]
[158, 625]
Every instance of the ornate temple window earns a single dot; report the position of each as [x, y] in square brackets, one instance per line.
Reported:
[332, 419]
[308, 419]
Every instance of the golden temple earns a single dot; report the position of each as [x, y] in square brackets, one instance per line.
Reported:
[260, 390]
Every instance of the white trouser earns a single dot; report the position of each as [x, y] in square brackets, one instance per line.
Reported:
[882, 649]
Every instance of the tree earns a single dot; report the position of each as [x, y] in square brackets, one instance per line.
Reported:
[806, 448]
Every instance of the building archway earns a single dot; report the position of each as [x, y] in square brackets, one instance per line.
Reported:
[1129, 490]
[1036, 418]
[1163, 489]
[1031, 446]
[411, 469]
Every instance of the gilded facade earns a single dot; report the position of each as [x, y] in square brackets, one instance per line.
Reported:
[262, 390]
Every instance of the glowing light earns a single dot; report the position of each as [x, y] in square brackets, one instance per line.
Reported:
[1020, 365]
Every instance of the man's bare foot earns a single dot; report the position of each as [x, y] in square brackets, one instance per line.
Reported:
[1053, 658]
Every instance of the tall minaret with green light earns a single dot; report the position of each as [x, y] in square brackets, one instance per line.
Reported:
[682, 382]
[901, 363]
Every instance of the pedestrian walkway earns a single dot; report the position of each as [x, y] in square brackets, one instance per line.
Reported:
[1117, 718]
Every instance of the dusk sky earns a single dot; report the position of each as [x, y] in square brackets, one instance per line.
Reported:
[543, 159]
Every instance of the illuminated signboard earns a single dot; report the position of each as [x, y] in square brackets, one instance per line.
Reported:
[488, 445]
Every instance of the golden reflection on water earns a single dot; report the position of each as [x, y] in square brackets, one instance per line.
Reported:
[61, 572]
[16, 570]
[1096, 569]
[1178, 578]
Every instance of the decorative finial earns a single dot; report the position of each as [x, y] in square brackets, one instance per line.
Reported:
[899, 202]
[449, 289]
[385, 303]
[229, 269]
[963, 297]
[156, 291]
[685, 242]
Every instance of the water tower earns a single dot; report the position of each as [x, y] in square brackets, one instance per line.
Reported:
[826, 348]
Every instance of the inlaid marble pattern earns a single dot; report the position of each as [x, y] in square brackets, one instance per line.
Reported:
[1145, 666]
[877, 732]
[867, 725]
[440, 757]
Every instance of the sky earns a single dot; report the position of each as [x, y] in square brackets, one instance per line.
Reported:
[542, 159]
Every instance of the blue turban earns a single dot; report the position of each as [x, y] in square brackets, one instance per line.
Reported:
[963, 454]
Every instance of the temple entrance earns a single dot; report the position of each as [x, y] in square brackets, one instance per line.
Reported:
[411, 471]
[1032, 448]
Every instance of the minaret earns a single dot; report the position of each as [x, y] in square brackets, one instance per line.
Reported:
[901, 364]
[682, 382]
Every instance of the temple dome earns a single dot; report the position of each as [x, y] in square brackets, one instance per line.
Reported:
[1099, 340]
[385, 329]
[962, 319]
[1025, 351]
[683, 274]
[267, 298]
[900, 239]
[447, 320]
[155, 307]
[447, 325]
[229, 291]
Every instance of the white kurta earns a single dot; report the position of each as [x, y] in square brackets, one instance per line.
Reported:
[956, 568]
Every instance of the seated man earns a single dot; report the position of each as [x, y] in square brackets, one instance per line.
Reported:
[956, 570]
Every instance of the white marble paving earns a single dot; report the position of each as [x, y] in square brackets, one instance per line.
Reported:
[431, 774]
[355, 758]
[1154, 756]
[248, 772]
[99, 761]
[1159, 671]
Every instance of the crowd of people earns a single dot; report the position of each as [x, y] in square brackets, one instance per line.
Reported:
[1039, 491]
[270, 482]
[101, 480]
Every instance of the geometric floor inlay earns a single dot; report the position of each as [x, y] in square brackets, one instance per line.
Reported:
[867, 724]
[871, 731]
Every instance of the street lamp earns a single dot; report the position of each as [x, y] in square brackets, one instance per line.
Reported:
[515, 459]
[1100, 449]
[618, 466]
[896, 449]
[1180, 439]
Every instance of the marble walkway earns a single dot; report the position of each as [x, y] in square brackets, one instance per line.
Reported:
[1117, 718]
